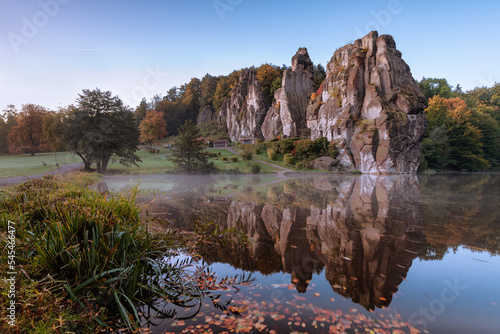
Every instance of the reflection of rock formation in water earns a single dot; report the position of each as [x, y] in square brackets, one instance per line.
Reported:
[366, 235]
[369, 240]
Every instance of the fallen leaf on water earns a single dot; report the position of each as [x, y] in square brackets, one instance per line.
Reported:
[493, 303]
[316, 294]
[293, 246]
[332, 299]
[383, 299]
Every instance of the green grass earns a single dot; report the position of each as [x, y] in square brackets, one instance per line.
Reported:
[241, 165]
[24, 164]
[151, 164]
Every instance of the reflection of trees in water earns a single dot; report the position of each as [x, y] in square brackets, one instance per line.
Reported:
[365, 232]
[461, 210]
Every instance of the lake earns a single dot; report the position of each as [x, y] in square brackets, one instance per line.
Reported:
[339, 254]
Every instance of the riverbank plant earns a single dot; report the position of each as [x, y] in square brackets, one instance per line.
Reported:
[93, 253]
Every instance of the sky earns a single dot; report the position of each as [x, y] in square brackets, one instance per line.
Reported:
[50, 50]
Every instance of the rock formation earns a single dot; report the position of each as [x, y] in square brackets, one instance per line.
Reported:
[244, 112]
[291, 99]
[206, 115]
[371, 105]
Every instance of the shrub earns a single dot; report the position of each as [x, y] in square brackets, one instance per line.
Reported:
[305, 148]
[247, 153]
[234, 159]
[224, 158]
[298, 165]
[320, 146]
[271, 153]
[256, 168]
[333, 151]
[285, 146]
[289, 159]
[219, 153]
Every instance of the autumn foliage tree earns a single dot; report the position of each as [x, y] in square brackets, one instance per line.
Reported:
[457, 136]
[152, 127]
[268, 75]
[28, 135]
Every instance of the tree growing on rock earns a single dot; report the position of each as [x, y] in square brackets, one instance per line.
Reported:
[28, 135]
[152, 127]
[100, 127]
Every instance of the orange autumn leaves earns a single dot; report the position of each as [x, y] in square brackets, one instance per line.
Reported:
[152, 127]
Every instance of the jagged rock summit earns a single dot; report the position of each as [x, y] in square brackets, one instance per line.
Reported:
[371, 105]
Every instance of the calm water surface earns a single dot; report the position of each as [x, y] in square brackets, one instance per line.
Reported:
[342, 254]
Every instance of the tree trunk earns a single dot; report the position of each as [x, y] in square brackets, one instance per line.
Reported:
[102, 166]
[86, 163]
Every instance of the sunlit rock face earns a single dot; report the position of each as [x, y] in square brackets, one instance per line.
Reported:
[364, 232]
[371, 105]
[246, 109]
[288, 114]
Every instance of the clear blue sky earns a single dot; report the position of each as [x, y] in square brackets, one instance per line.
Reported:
[141, 48]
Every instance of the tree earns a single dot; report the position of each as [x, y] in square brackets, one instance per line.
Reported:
[452, 139]
[224, 86]
[267, 75]
[140, 112]
[7, 121]
[319, 76]
[208, 86]
[188, 154]
[100, 127]
[432, 87]
[152, 127]
[54, 125]
[28, 135]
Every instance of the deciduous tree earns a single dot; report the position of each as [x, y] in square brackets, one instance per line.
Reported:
[28, 135]
[99, 127]
[152, 127]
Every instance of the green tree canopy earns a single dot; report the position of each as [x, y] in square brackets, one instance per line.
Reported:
[100, 127]
[433, 86]
[188, 154]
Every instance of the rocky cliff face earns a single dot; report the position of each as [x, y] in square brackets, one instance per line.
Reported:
[371, 105]
[245, 111]
[206, 115]
[289, 113]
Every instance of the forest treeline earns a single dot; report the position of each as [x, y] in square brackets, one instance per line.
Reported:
[463, 131]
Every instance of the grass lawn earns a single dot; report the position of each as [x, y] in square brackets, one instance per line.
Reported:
[151, 164]
[25, 164]
[241, 165]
